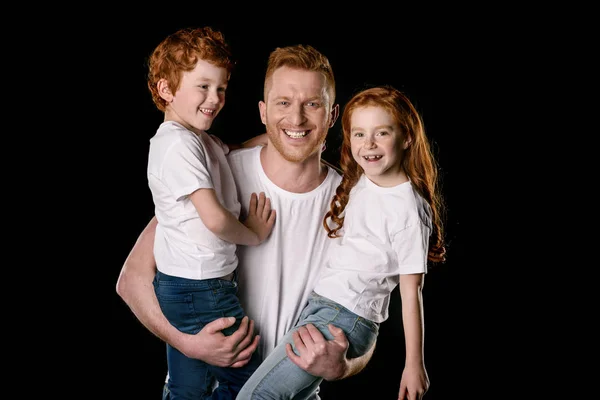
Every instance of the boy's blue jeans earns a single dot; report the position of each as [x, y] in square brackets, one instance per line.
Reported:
[189, 305]
[279, 378]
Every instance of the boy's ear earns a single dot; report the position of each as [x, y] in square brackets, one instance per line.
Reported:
[163, 90]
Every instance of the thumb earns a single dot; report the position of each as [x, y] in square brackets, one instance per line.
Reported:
[219, 324]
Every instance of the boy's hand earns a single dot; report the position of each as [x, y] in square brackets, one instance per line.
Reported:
[260, 218]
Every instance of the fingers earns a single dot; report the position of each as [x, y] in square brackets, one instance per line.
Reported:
[219, 324]
[261, 203]
[271, 219]
[315, 334]
[338, 334]
[292, 356]
[402, 394]
[247, 339]
[301, 338]
[238, 336]
[253, 203]
[245, 355]
[266, 211]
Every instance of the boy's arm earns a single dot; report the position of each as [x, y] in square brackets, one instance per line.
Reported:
[415, 381]
[134, 286]
[226, 226]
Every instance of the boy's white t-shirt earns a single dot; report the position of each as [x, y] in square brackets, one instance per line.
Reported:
[385, 234]
[277, 276]
[179, 163]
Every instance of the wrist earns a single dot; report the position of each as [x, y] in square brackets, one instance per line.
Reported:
[341, 372]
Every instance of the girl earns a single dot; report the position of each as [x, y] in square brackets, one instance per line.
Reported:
[385, 222]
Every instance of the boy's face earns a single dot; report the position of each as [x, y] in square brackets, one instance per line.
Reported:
[297, 112]
[200, 97]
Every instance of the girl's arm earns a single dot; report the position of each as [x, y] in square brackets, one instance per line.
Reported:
[415, 381]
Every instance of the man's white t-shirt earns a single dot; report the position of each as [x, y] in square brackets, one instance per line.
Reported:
[179, 163]
[277, 276]
[385, 234]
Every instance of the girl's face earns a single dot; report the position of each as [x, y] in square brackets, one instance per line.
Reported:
[378, 145]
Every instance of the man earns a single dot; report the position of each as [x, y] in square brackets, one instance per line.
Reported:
[276, 277]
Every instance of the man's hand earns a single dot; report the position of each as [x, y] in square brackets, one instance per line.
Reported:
[261, 217]
[319, 356]
[213, 347]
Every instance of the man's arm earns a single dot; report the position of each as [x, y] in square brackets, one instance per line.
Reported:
[134, 286]
[258, 140]
[325, 358]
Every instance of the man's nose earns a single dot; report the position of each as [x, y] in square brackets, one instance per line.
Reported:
[296, 115]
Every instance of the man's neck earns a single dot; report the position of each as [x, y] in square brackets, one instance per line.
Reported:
[295, 177]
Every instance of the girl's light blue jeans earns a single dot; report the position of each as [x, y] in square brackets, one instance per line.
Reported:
[279, 378]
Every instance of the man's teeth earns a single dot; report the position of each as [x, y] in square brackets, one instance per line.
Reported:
[371, 158]
[295, 134]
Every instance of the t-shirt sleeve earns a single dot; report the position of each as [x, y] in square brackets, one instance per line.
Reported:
[220, 143]
[184, 169]
[410, 245]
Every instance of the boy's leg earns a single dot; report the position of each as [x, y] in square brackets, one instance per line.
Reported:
[179, 299]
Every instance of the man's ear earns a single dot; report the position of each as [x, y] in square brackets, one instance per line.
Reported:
[163, 90]
[262, 108]
[335, 113]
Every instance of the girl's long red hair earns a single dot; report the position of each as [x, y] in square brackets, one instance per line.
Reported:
[418, 162]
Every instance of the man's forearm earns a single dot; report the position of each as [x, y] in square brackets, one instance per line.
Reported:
[355, 365]
[135, 288]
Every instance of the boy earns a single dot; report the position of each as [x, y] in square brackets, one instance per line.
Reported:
[196, 204]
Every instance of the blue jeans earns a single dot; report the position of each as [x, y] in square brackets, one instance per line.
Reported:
[189, 305]
[279, 378]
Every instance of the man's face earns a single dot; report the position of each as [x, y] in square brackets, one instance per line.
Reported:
[297, 112]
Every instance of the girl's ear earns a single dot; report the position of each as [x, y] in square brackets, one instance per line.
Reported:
[164, 91]
[406, 143]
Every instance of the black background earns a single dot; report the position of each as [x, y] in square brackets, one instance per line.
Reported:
[427, 67]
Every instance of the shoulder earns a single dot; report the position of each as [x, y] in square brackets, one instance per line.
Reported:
[334, 176]
[242, 154]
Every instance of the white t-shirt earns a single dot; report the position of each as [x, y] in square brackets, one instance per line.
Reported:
[385, 234]
[179, 163]
[277, 276]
